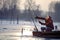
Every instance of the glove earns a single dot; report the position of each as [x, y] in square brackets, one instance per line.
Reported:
[36, 17]
[39, 22]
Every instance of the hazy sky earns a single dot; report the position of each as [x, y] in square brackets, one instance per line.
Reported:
[43, 3]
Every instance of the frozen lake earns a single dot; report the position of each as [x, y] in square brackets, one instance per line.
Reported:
[14, 31]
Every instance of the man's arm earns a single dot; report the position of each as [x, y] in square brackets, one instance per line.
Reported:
[40, 18]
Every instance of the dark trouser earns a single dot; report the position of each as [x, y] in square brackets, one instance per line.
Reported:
[46, 29]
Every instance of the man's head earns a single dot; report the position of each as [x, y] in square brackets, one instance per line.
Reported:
[48, 17]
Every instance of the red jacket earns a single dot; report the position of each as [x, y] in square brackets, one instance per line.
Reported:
[48, 22]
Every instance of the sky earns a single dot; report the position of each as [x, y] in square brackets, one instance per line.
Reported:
[43, 3]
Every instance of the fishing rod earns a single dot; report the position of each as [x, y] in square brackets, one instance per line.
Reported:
[33, 19]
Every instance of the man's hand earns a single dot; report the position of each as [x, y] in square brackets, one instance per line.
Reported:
[36, 17]
[40, 22]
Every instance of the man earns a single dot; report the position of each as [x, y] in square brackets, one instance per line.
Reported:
[48, 23]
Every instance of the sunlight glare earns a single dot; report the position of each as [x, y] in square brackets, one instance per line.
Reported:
[27, 30]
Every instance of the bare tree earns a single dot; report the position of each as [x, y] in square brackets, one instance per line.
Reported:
[51, 6]
[54, 10]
